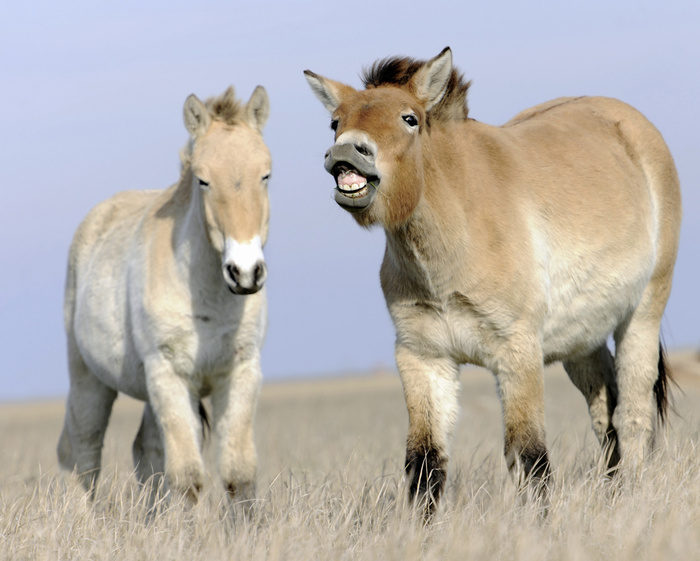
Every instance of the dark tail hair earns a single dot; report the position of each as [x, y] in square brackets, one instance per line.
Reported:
[206, 425]
[661, 386]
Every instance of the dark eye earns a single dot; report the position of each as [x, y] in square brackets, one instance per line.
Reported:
[203, 184]
[410, 120]
[334, 124]
[266, 177]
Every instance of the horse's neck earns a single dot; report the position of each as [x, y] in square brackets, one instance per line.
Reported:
[193, 251]
[420, 249]
[433, 245]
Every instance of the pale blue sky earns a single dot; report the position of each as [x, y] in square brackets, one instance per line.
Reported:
[92, 93]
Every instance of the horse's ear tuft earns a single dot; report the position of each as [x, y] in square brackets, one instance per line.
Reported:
[197, 118]
[229, 97]
[430, 82]
[258, 109]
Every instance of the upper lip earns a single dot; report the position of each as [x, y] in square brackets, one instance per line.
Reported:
[341, 157]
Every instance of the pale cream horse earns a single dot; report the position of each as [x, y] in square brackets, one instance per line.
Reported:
[511, 247]
[165, 301]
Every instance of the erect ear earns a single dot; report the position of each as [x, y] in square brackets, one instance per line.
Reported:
[329, 92]
[430, 82]
[257, 109]
[197, 118]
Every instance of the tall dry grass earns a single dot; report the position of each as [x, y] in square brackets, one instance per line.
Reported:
[330, 486]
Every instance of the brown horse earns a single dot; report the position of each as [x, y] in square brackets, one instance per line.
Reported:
[511, 247]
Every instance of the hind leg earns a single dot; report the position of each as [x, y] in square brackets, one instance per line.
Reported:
[87, 414]
[636, 361]
[148, 452]
[594, 376]
[638, 369]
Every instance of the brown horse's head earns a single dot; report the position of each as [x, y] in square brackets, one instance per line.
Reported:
[377, 159]
[230, 168]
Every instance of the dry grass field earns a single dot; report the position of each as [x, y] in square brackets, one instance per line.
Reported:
[330, 485]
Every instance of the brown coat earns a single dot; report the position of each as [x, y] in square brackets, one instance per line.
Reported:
[511, 247]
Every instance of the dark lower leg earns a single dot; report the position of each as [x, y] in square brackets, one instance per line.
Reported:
[535, 467]
[426, 471]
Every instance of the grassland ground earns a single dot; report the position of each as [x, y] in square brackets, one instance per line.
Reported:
[330, 484]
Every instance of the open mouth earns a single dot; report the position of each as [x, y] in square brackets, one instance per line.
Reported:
[356, 177]
[351, 184]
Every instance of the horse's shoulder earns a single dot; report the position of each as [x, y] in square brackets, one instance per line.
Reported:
[117, 209]
[110, 221]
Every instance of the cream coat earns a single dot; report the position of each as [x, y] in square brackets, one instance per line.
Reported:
[165, 302]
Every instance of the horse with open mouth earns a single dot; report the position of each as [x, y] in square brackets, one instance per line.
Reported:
[511, 247]
[165, 301]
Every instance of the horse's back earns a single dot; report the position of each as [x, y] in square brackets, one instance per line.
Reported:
[611, 120]
[595, 117]
[117, 216]
[606, 206]
[605, 155]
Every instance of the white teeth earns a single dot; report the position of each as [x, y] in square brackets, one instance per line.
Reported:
[356, 194]
[353, 187]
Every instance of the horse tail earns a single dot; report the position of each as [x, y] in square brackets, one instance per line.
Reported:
[661, 386]
[206, 425]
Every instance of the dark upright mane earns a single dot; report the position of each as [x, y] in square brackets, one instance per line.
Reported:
[226, 107]
[396, 71]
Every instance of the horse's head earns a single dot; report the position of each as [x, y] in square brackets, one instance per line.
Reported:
[230, 168]
[379, 133]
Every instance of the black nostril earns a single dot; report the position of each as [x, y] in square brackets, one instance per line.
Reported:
[259, 273]
[364, 150]
[233, 272]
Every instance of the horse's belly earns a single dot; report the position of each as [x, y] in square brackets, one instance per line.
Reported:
[107, 349]
[583, 313]
[112, 357]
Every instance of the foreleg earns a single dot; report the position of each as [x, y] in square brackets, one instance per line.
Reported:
[521, 388]
[176, 412]
[431, 387]
[234, 404]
